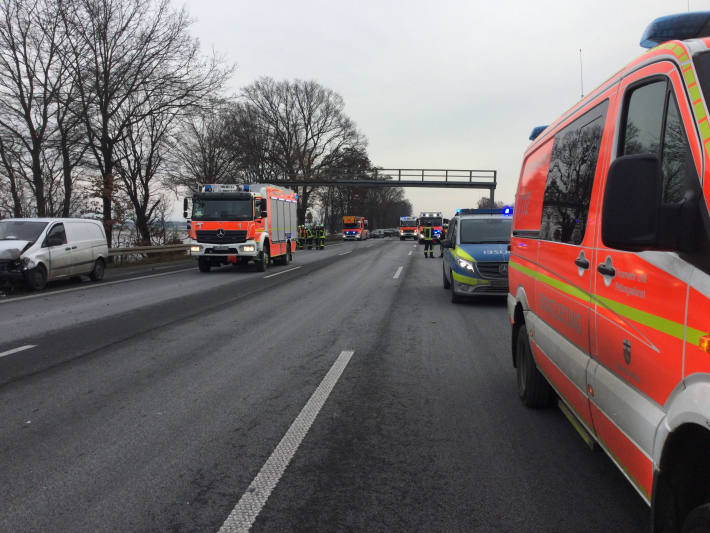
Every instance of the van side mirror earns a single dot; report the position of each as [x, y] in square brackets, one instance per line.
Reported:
[446, 243]
[184, 207]
[263, 207]
[634, 217]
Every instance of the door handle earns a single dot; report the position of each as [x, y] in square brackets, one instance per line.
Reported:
[73, 247]
[606, 270]
[67, 249]
[582, 262]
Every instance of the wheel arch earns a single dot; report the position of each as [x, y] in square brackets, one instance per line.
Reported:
[680, 483]
[517, 307]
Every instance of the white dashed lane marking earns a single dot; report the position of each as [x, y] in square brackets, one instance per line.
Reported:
[15, 350]
[282, 272]
[252, 501]
[396, 274]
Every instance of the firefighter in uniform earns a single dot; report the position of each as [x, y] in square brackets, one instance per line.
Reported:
[301, 237]
[428, 241]
[441, 238]
[309, 236]
[320, 237]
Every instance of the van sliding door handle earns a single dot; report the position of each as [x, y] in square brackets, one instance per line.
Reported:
[581, 262]
[606, 270]
[73, 247]
[67, 249]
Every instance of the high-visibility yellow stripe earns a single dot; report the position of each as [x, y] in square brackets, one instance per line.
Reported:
[469, 280]
[664, 325]
[459, 252]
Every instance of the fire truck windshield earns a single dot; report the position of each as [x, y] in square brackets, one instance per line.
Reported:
[222, 209]
[434, 221]
[485, 230]
[351, 225]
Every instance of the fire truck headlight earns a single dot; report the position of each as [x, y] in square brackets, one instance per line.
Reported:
[194, 248]
[466, 265]
[248, 248]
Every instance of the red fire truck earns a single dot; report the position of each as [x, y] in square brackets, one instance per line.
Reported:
[242, 223]
[407, 227]
[354, 228]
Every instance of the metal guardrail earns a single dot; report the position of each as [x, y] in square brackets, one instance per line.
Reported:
[117, 252]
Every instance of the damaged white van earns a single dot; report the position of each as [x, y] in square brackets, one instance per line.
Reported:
[38, 250]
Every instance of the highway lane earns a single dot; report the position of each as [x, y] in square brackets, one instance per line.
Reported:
[157, 412]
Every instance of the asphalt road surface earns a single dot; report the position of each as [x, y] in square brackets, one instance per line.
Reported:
[343, 392]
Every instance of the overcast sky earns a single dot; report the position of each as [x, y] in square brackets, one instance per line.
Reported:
[447, 84]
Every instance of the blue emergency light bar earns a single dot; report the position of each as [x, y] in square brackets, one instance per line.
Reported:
[507, 211]
[676, 27]
[537, 130]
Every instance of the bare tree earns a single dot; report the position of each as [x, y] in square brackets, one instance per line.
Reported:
[305, 123]
[203, 151]
[132, 59]
[140, 156]
[30, 73]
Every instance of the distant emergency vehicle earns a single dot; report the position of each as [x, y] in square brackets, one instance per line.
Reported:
[609, 275]
[354, 228]
[407, 228]
[433, 219]
[476, 252]
[241, 223]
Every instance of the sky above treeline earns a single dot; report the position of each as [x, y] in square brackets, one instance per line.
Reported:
[445, 84]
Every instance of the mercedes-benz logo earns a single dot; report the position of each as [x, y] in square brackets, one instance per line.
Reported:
[503, 269]
[220, 233]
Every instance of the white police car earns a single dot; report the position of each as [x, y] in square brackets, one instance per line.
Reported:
[476, 252]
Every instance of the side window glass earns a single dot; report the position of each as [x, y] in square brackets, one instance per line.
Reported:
[570, 178]
[56, 236]
[677, 160]
[644, 119]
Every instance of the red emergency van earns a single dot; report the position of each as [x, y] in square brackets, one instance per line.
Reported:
[609, 272]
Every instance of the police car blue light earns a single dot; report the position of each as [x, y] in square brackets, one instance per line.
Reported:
[681, 26]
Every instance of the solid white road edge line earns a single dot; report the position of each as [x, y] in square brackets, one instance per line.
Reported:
[345, 253]
[92, 286]
[252, 501]
[396, 274]
[15, 350]
[283, 272]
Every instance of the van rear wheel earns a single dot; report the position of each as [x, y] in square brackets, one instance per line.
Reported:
[533, 388]
[99, 270]
[36, 278]
[698, 520]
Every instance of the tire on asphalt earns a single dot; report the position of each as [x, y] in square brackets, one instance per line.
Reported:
[36, 279]
[97, 274]
[263, 262]
[698, 520]
[455, 298]
[533, 389]
[203, 264]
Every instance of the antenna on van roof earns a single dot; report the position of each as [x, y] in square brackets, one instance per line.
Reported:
[581, 78]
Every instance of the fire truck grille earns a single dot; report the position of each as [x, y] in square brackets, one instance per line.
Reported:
[493, 270]
[230, 236]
